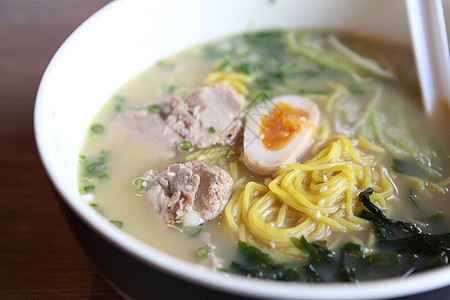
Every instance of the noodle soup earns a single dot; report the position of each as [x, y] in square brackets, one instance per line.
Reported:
[372, 168]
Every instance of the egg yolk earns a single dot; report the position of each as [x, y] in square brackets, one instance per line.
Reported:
[281, 125]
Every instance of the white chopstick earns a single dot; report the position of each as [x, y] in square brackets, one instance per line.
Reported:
[429, 36]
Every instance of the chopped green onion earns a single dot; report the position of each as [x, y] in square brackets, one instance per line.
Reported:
[164, 63]
[204, 252]
[227, 155]
[212, 129]
[185, 146]
[154, 109]
[103, 156]
[223, 65]
[246, 68]
[97, 208]
[97, 128]
[118, 224]
[96, 168]
[141, 184]
[171, 90]
[118, 103]
[103, 176]
[87, 189]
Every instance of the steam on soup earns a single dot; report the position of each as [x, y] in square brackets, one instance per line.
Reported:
[284, 155]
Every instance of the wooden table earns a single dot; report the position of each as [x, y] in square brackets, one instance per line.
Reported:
[39, 257]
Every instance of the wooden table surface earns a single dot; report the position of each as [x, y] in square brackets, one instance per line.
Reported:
[39, 257]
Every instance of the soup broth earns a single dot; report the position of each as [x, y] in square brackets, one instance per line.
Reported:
[382, 108]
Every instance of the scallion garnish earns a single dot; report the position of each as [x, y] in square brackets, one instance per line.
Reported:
[103, 176]
[223, 65]
[87, 189]
[227, 154]
[203, 252]
[97, 128]
[118, 102]
[154, 109]
[185, 146]
[118, 224]
[140, 183]
[212, 129]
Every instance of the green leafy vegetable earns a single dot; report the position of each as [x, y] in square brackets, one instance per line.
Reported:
[384, 226]
[402, 250]
[410, 167]
[258, 264]
[313, 252]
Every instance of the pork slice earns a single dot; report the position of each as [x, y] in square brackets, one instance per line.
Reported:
[189, 187]
[214, 190]
[216, 108]
[179, 118]
[173, 191]
[146, 129]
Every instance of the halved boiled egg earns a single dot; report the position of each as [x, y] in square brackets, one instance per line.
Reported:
[279, 131]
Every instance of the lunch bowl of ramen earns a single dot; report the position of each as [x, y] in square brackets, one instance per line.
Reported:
[269, 149]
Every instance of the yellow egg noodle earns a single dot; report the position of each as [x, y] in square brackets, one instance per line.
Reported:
[221, 156]
[234, 79]
[313, 199]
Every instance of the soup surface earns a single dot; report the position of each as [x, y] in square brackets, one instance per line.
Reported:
[364, 183]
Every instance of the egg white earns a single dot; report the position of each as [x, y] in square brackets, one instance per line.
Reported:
[261, 160]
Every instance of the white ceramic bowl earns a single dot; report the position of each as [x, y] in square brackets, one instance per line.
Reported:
[126, 37]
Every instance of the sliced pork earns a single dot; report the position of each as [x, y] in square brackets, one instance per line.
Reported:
[146, 129]
[217, 109]
[192, 188]
[208, 116]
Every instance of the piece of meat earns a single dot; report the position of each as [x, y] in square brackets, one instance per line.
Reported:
[216, 107]
[145, 128]
[192, 186]
[209, 116]
[179, 117]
